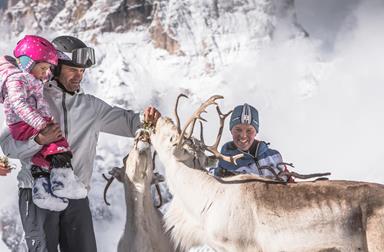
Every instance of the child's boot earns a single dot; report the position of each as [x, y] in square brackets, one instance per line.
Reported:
[64, 182]
[41, 191]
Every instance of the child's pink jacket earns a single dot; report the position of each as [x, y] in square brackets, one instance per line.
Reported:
[22, 95]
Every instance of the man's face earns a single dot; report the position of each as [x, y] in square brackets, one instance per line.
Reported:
[243, 136]
[70, 77]
[41, 71]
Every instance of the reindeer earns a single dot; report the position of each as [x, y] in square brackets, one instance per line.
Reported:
[143, 226]
[250, 213]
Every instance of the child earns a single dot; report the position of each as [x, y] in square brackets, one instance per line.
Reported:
[27, 114]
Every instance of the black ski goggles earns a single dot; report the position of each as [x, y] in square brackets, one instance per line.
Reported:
[84, 56]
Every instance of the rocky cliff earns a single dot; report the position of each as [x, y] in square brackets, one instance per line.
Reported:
[191, 27]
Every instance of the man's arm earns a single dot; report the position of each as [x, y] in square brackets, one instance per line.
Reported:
[224, 167]
[115, 120]
[118, 121]
[274, 159]
[27, 149]
[18, 149]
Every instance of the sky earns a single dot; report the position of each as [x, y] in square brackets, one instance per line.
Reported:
[324, 19]
[342, 120]
[319, 99]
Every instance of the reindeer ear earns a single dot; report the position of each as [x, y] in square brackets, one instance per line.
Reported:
[181, 154]
[174, 139]
[157, 178]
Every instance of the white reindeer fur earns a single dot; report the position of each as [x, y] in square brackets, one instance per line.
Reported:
[144, 227]
[235, 215]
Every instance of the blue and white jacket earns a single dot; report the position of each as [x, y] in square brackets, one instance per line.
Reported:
[259, 155]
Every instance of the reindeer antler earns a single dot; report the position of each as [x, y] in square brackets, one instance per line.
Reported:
[279, 176]
[109, 182]
[197, 115]
[175, 111]
[213, 148]
[117, 173]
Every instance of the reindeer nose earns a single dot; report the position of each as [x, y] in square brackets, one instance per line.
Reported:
[142, 146]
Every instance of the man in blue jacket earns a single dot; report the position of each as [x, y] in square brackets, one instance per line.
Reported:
[258, 158]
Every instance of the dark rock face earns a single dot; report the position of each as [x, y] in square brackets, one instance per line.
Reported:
[181, 27]
[76, 15]
[129, 15]
[31, 14]
[198, 27]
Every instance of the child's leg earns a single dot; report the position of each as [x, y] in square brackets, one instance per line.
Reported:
[64, 183]
[57, 154]
[22, 131]
[58, 147]
[40, 161]
[41, 191]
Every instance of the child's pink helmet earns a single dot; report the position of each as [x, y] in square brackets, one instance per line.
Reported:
[37, 48]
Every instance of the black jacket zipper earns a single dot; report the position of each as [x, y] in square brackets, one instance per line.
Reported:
[65, 116]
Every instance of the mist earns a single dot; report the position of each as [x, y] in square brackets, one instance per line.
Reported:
[319, 98]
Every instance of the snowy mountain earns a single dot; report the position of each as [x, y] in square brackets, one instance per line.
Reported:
[319, 96]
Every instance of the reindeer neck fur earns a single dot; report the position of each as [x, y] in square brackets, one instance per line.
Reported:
[144, 228]
[194, 191]
[185, 175]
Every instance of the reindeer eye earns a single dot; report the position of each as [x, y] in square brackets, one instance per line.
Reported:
[171, 139]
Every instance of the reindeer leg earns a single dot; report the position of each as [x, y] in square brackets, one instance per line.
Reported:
[375, 230]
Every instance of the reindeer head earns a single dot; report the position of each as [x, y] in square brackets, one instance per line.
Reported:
[138, 164]
[165, 139]
[176, 143]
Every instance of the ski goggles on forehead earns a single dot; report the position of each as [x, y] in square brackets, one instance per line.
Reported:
[84, 56]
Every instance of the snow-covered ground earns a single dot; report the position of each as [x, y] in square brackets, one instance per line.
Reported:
[319, 99]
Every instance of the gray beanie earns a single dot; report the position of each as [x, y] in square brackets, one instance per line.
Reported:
[244, 114]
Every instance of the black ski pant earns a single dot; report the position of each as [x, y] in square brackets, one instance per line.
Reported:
[71, 229]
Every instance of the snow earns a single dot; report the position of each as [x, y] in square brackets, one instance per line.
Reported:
[319, 99]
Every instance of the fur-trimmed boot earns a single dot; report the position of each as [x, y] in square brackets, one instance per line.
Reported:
[41, 191]
[64, 182]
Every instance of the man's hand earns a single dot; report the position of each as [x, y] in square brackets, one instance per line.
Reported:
[151, 114]
[49, 134]
[5, 169]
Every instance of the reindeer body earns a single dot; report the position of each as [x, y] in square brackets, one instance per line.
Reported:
[249, 213]
[143, 227]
